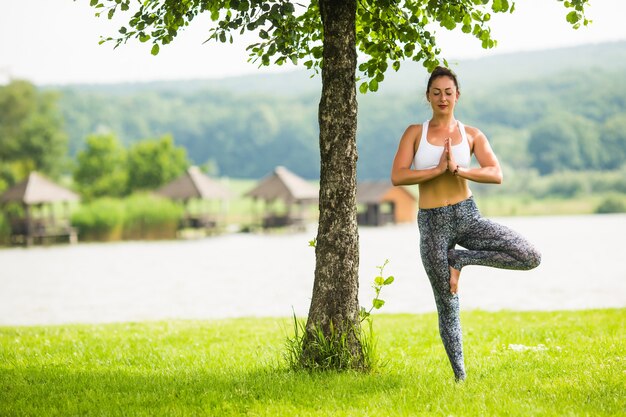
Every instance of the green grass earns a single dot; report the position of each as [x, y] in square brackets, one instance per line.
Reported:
[234, 368]
[508, 205]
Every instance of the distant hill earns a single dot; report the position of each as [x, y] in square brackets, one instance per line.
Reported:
[473, 74]
[247, 125]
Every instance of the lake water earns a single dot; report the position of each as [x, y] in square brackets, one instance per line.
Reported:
[235, 275]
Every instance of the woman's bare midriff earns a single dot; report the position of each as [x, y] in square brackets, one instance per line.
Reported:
[442, 191]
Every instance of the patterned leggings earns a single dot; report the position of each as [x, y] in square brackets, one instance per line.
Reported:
[487, 243]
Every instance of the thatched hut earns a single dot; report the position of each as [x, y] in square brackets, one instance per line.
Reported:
[381, 203]
[36, 195]
[294, 193]
[196, 187]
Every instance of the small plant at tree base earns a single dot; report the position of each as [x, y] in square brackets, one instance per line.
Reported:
[333, 349]
[379, 282]
[368, 338]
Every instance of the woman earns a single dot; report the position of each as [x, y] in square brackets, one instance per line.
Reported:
[436, 156]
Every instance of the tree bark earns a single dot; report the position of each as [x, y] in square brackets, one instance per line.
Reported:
[335, 290]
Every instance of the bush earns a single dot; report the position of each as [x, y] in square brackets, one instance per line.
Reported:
[5, 229]
[140, 216]
[612, 204]
[151, 217]
[100, 220]
[611, 181]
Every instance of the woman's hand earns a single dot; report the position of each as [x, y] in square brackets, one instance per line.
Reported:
[443, 164]
[401, 170]
[489, 171]
[450, 161]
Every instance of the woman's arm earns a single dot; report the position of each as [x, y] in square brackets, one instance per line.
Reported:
[401, 172]
[489, 171]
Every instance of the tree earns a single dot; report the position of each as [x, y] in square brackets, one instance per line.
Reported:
[152, 163]
[614, 141]
[325, 35]
[563, 141]
[31, 132]
[101, 169]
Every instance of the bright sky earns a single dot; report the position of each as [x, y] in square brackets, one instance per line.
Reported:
[56, 42]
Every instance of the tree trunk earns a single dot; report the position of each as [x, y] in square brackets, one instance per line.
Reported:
[335, 291]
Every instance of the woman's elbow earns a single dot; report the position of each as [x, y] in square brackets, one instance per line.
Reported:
[396, 178]
[497, 177]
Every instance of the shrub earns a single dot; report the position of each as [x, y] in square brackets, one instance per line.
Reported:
[611, 204]
[100, 220]
[151, 217]
[5, 230]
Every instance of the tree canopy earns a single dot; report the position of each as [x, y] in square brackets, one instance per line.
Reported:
[101, 167]
[387, 31]
[31, 132]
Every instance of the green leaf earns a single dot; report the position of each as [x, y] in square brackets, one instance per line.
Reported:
[373, 86]
[317, 52]
[378, 303]
[155, 49]
[389, 280]
[93, 2]
[363, 88]
[572, 17]
[379, 281]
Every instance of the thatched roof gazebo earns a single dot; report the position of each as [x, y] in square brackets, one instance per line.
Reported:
[382, 203]
[286, 187]
[195, 185]
[36, 191]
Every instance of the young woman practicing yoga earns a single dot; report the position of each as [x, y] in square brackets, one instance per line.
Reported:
[436, 155]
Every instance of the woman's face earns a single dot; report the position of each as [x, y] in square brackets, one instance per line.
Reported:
[443, 95]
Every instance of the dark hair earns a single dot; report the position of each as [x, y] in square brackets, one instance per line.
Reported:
[441, 72]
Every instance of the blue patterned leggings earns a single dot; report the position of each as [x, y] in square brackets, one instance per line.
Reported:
[487, 243]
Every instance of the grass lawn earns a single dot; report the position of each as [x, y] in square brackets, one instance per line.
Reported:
[518, 363]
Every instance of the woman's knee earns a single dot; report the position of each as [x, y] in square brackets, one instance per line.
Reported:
[532, 258]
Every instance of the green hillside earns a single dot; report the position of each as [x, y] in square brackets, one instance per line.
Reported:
[247, 125]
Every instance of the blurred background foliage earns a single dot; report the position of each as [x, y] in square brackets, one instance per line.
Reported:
[556, 119]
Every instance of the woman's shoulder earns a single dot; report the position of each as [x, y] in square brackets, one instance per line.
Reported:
[414, 130]
[411, 137]
[474, 132]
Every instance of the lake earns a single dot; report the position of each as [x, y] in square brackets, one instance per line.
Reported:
[236, 275]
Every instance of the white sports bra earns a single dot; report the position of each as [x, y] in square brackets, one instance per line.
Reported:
[428, 155]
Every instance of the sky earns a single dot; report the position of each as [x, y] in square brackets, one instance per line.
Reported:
[56, 42]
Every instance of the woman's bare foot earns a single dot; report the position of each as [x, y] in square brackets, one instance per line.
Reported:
[455, 274]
